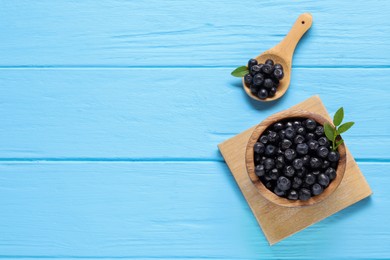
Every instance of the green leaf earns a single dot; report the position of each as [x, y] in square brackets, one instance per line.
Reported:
[344, 127]
[338, 143]
[329, 131]
[338, 116]
[240, 71]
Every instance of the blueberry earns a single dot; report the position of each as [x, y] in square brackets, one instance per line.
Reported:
[283, 183]
[315, 163]
[301, 131]
[270, 150]
[276, 82]
[310, 136]
[285, 144]
[282, 134]
[316, 189]
[269, 62]
[323, 141]
[260, 170]
[272, 92]
[273, 136]
[267, 178]
[255, 69]
[289, 124]
[279, 192]
[297, 182]
[257, 157]
[296, 124]
[251, 63]
[278, 66]
[267, 69]
[310, 124]
[269, 164]
[264, 139]
[325, 164]
[258, 79]
[248, 78]
[254, 89]
[316, 173]
[301, 172]
[302, 149]
[323, 179]
[313, 145]
[263, 93]
[292, 195]
[280, 152]
[289, 171]
[322, 151]
[290, 133]
[299, 139]
[306, 160]
[331, 173]
[290, 154]
[274, 174]
[268, 83]
[269, 185]
[333, 156]
[280, 163]
[298, 164]
[304, 194]
[278, 74]
[310, 179]
[278, 126]
[259, 148]
[319, 130]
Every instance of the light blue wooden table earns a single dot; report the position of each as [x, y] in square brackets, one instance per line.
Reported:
[111, 112]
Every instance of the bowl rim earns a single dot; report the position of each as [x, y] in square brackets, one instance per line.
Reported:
[250, 166]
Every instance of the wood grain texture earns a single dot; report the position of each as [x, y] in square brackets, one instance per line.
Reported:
[184, 114]
[167, 210]
[279, 222]
[187, 33]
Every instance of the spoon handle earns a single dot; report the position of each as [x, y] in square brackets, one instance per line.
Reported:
[288, 44]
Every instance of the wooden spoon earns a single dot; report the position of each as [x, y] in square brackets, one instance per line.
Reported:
[283, 54]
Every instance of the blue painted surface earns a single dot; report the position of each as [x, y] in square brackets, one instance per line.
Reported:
[111, 112]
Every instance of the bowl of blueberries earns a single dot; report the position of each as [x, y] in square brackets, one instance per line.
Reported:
[291, 161]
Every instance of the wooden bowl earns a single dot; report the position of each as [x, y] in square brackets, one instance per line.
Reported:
[250, 165]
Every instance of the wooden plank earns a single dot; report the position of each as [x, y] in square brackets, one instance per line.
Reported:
[167, 210]
[279, 222]
[172, 113]
[184, 33]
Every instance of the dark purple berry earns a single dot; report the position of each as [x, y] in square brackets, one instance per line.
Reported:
[251, 63]
[297, 182]
[278, 74]
[274, 174]
[285, 144]
[269, 164]
[313, 145]
[299, 139]
[310, 179]
[268, 83]
[259, 148]
[331, 173]
[292, 195]
[316, 173]
[296, 124]
[323, 179]
[319, 130]
[255, 69]
[263, 93]
[301, 131]
[273, 136]
[269, 62]
[282, 134]
[316, 189]
[272, 92]
[289, 124]
[290, 154]
[323, 141]
[248, 78]
[333, 156]
[315, 163]
[254, 89]
[298, 164]
[301, 172]
[260, 170]
[310, 124]
[289, 171]
[270, 150]
[322, 151]
[264, 139]
[304, 194]
[302, 149]
[269, 185]
[306, 160]
[267, 69]
[290, 133]
[258, 79]
[278, 126]
[325, 164]
[283, 183]
[310, 136]
[279, 192]
[279, 162]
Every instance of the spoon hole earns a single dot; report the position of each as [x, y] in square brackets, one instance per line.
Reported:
[303, 22]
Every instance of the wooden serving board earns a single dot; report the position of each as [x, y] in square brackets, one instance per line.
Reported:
[278, 222]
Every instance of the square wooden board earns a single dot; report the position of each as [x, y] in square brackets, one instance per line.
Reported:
[279, 222]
